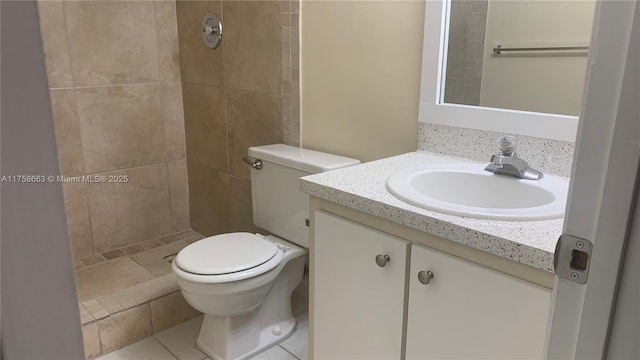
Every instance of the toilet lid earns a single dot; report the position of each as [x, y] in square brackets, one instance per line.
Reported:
[226, 253]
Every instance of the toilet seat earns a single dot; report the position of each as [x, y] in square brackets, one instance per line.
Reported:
[228, 257]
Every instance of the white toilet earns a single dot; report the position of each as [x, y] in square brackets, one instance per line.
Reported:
[242, 282]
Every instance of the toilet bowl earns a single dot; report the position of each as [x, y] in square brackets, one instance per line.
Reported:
[248, 310]
[243, 282]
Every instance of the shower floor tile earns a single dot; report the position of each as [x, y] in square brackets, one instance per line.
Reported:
[154, 259]
[107, 277]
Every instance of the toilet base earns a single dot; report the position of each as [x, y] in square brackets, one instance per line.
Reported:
[244, 336]
[243, 340]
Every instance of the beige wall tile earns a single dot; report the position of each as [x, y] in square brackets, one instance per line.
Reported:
[169, 311]
[252, 59]
[67, 129]
[253, 119]
[78, 224]
[91, 340]
[109, 276]
[125, 328]
[208, 199]
[200, 65]
[112, 42]
[240, 206]
[121, 127]
[167, 36]
[127, 213]
[205, 126]
[181, 223]
[173, 120]
[54, 42]
[179, 189]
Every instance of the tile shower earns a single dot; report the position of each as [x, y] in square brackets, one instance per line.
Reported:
[142, 97]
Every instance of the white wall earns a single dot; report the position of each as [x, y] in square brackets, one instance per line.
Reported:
[551, 83]
[360, 73]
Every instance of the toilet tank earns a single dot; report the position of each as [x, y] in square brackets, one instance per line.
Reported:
[278, 205]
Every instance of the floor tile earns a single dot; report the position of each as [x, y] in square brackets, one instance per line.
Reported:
[275, 353]
[109, 276]
[147, 349]
[298, 343]
[181, 340]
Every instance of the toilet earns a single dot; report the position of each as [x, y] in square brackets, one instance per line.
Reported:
[243, 282]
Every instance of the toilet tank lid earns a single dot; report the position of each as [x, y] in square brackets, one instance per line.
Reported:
[302, 159]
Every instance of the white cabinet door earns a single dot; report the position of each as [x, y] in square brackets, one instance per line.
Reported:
[470, 312]
[358, 305]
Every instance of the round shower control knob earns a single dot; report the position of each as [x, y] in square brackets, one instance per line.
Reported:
[382, 260]
[211, 30]
[425, 277]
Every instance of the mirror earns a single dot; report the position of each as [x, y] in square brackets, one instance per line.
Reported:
[517, 54]
[538, 92]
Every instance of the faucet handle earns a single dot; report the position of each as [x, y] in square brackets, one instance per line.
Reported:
[507, 145]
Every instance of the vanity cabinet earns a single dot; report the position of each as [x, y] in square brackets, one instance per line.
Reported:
[418, 304]
[358, 305]
[469, 311]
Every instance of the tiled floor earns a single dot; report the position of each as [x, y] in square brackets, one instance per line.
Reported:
[179, 343]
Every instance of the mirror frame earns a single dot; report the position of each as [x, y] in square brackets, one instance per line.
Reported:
[433, 110]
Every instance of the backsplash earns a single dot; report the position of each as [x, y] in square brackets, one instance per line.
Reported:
[549, 156]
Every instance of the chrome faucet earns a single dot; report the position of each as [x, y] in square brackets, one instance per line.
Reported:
[508, 163]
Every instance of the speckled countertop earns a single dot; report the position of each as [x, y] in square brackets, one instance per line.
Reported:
[362, 187]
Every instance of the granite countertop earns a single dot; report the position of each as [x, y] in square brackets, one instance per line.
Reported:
[362, 187]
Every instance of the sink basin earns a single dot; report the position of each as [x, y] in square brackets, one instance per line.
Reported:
[468, 190]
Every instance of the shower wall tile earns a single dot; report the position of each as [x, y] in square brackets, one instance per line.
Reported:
[131, 212]
[205, 126]
[125, 328]
[233, 104]
[167, 36]
[179, 189]
[78, 224]
[241, 213]
[291, 72]
[91, 340]
[172, 109]
[169, 311]
[253, 119]
[252, 61]
[208, 199]
[67, 130]
[54, 43]
[122, 127]
[112, 42]
[199, 64]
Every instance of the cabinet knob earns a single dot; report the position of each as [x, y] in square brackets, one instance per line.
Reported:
[382, 260]
[425, 277]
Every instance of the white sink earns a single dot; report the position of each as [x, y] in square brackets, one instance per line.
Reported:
[468, 190]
